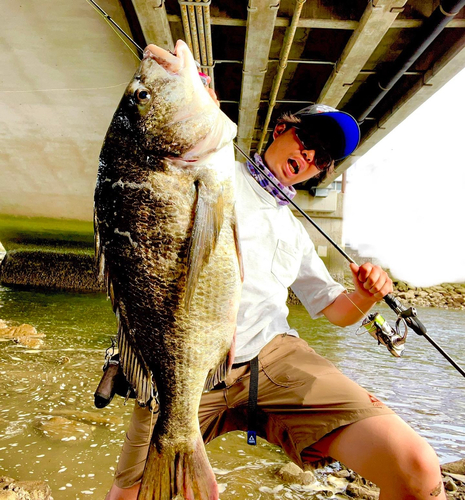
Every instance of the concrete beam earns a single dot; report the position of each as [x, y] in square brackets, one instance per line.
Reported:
[154, 22]
[330, 24]
[374, 23]
[437, 76]
[260, 27]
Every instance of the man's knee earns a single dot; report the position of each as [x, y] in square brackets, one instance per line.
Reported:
[421, 460]
[117, 493]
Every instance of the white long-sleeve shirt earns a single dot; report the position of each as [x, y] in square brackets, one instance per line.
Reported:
[277, 253]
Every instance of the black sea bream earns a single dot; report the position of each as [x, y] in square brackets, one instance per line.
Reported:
[166, 243]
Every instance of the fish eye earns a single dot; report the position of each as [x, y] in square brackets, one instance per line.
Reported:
[142, 96]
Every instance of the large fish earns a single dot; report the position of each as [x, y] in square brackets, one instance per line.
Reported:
[166, 242]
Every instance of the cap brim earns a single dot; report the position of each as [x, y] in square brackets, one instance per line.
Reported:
[350, 129]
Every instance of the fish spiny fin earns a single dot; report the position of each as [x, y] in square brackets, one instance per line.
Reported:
[208, 220]
[134, 368]
[218, 375]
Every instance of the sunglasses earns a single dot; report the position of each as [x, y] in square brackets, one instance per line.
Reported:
[323, 159]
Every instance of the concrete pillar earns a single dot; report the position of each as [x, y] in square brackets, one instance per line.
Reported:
[327, 214]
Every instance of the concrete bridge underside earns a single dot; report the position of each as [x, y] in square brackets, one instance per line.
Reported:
[64, 70]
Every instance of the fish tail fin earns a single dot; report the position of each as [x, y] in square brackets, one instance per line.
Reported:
[178, 474]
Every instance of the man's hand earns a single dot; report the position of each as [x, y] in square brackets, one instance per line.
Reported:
[211, 91]
[371, 285]
[371, 281]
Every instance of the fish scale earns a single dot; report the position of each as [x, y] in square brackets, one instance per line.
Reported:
[167, 244]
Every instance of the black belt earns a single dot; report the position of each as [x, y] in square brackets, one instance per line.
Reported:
[253, 398]
[252, 405]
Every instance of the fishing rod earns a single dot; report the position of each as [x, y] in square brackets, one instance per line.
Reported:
[407, 314]
[114, 24]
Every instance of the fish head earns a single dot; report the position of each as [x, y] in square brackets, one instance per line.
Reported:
[170, 111]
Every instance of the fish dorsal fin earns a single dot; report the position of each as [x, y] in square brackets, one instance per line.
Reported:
[218, 375]
[208, 220]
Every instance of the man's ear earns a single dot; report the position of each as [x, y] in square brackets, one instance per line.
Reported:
[279, 129]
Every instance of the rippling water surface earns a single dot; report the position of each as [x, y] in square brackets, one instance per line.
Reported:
[60, 378]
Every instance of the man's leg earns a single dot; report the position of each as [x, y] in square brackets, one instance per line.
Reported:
[387, 451]
[133, 455]
[117, 493]
[136, 444]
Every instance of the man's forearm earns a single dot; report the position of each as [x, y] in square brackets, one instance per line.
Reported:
[348, 308]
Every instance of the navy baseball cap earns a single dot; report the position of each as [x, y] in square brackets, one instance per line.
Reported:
[339, 130]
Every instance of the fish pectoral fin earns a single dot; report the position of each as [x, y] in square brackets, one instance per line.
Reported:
[237, 243]
[208, 220]
[218, 375]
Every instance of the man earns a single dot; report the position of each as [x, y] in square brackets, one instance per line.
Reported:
[305, 405]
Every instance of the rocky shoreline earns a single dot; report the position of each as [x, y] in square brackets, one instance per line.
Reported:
[326, 482]
[444, 296]
[345, 483]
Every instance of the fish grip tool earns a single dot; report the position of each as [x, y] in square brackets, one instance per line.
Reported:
[409, 314]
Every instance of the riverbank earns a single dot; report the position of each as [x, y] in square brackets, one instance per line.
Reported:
[326, 482]
[444, 296]
[75, 271]
[345, 483]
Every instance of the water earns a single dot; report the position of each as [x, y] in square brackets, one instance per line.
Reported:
[59, 380]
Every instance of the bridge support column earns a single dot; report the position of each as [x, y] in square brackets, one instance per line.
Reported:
[327, 214]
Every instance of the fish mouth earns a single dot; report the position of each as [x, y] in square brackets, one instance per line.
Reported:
[173, 62]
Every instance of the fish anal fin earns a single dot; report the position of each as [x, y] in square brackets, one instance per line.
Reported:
[208, 220]
[218, 375]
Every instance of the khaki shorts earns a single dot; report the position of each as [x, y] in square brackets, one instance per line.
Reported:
[301, 398]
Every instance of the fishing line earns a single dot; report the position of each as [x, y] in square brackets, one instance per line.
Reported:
[116, 28]
[408, 314]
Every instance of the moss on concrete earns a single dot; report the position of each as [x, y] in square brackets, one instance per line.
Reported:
[37, 233]
[52, 270]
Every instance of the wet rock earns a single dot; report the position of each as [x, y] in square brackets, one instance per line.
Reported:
[64, 429]
[361, 492]
[343, 474]
[293, 474]
[88, 417]
[460, 478]
[457, 467]
[25, 335]
[449, 484]
[5, 481]
[11, 332]
[11, 489]
[8, 495]
[29, 342]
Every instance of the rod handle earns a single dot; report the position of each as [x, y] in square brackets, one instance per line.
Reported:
[412, 321]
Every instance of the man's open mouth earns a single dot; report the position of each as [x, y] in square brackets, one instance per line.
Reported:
[294, 165]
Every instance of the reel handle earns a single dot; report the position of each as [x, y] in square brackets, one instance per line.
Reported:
[408, 314]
